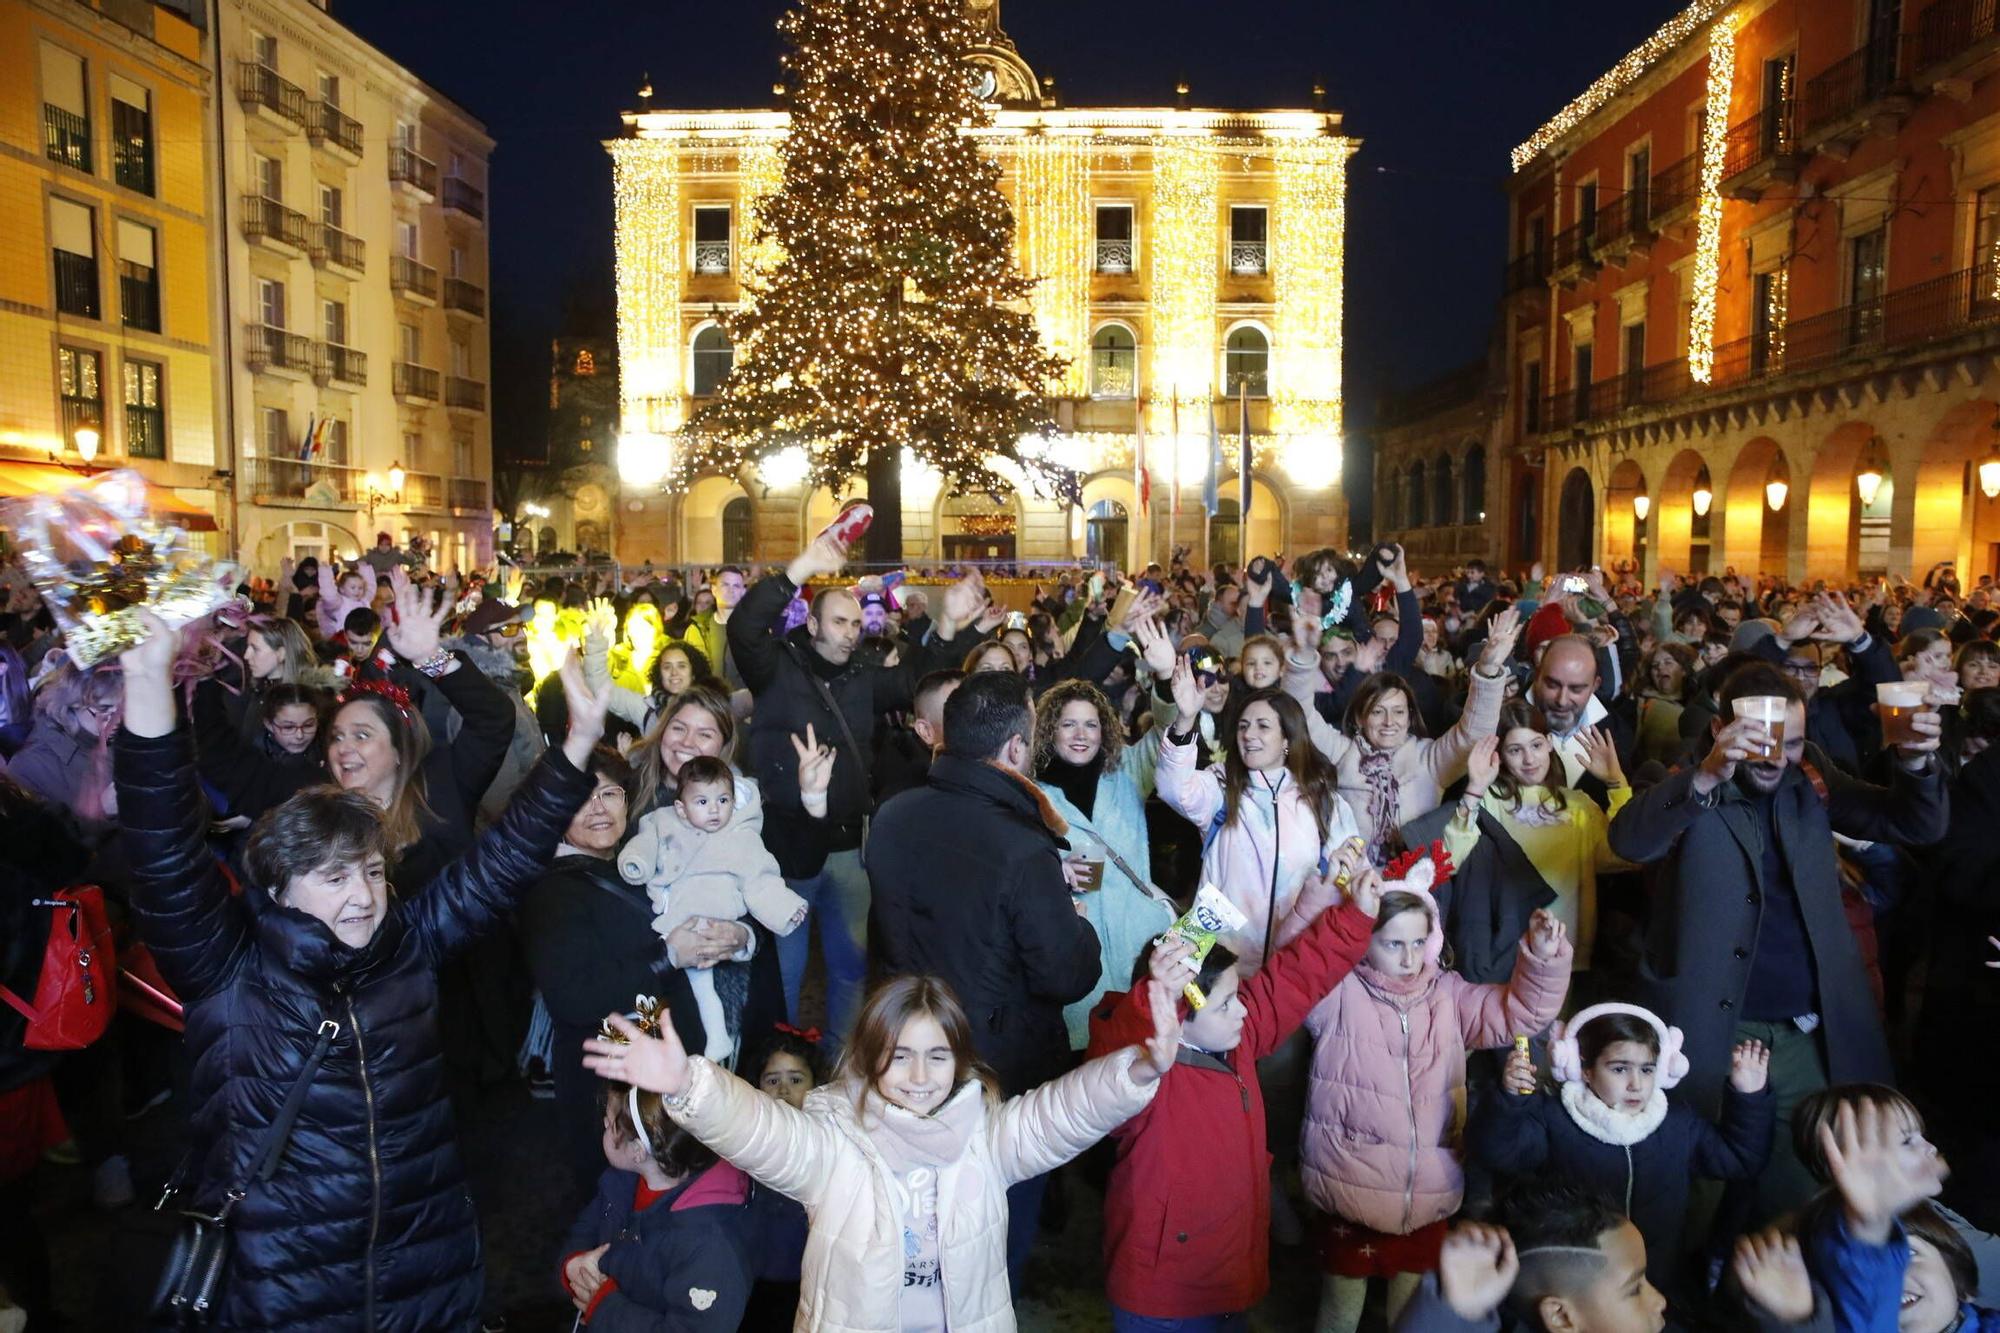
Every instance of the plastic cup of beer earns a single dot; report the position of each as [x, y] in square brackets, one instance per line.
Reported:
[1768, 712]
[1898, 701]
[1093, 877]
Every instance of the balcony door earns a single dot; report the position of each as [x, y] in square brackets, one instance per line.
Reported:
[1780, 80]
[1867, 276]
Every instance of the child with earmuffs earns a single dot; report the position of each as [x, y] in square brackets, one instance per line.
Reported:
[1609, 1126]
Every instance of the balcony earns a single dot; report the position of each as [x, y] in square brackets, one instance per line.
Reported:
[417, 282]
[416, 384]
[467, 493]
[145, 431]
[1624, 225]
[1570, 257]
[272, 350]
[139, 296]
[1860, 94]
[1763, 151]
[1526, 273]
[333, 248]
[65, 138]
[334, 364]
[259, 88]
[464, 297]
[418, 175]
[422, 490]
[283, 229]
[76, 285]
[287, 481]
[462, 196]
[711, 257]
[1114, 256]
[1957, 43]
[334, 130]
[463, 395]
[79, 413]
[1249, 259]
[1674, 193]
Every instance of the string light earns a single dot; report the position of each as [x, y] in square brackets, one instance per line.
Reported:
[1308, 261]
[1185, 278]
[1777, 309]
[645, 197]
[1052, 206]
[1708, 217]
[1620, 77]
[759, 172]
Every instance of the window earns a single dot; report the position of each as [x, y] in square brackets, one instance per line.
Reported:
[586, 364]
[1767, 348]
[1867, 269]
[1246, 362]
[1635, 362]
[138, 277]
[1639, 184]
[1413, 508]
[275, 432]
[82, 390]
[408, 344]
[406, 135]
[711, 239]
[65, 109]
[1443, 494]
[333, 207]
[1583, 373]
[1247, 234]
[713, 357]
[1780, 78]
[270, 177]
[455, 261]
[455, 163]
[271, 302]
[461, 359]
[329, 88]
[406, 239]
[1114, 239]
[1986, 246]
[264, 49]
[333, 322]
[1114, 362]
[333, 445]
[1586, 206]
[461, 456]
[1531, 397]
[1472, 486]
[131, 135]
[73, 235]
[145, 419]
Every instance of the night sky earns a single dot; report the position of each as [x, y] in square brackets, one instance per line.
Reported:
[1438, 90]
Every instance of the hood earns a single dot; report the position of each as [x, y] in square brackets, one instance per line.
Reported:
[722, 1184]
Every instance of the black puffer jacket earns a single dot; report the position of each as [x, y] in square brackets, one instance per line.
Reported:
[367, 1223]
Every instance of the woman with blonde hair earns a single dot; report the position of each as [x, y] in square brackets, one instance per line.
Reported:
[903, 1161]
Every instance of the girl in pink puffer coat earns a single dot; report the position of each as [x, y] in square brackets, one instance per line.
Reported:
[1388, 1066]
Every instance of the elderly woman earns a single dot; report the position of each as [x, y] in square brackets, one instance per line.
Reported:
[63, 760]
[590, 944]
[319, 978]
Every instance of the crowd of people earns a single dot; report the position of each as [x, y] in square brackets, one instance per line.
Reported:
[1550, 952]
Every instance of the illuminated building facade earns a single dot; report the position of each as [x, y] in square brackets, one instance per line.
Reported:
[1190, 261]
[1752, 314]
[1434, 490]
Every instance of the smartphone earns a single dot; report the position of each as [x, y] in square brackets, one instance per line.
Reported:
[1017, 620]
[1096, 586]
[1575, 583]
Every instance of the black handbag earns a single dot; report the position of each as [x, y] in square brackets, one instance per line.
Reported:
[191, 1283]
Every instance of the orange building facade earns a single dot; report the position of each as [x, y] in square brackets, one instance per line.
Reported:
[1752, 311]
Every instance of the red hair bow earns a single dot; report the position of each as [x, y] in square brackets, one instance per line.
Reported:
[394, 693]
[803, 1034]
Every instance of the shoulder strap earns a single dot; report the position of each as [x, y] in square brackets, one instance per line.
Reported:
[1145, 883]
[839, 718]
[1814, 776]
[271, 1150]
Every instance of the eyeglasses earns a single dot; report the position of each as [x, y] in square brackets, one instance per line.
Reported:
[293, 728]
[608, 795]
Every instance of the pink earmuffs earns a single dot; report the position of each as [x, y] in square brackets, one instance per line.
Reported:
[1566, 1056]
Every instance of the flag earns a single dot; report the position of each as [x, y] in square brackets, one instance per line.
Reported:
[1175, 451]
[1243, 448]
[1142, 480]
[306, 443]
[1211, 499]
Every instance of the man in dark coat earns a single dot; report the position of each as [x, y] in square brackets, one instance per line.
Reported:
[1565, 687]
[366, 1222]
[1840, 719]
[812, 677]
[969, 886]
[1749, 939]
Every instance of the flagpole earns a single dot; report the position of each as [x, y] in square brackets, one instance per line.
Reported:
[1243, 473]
[1174, 508]
[1141, 525]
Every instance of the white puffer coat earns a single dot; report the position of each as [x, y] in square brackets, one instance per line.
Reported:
[851, 1280]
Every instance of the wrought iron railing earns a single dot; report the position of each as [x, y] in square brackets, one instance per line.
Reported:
[76, 284]
[466, 492]
[1569, 248]
[269, 348]
[1675, 187]
[414, 381]
[1248, 257]
[1526, 272]
[1770, 134]
[1114, 256]
[462, 295]
[331, 245]
[465, 393]
[406, 167]
[294, 479]
[465, 197]
[1114, 372]
[66, 137]
[260, 85]
[145, 431]
[340, 364]
[131, 147]
[267, 219]
[412, 278]
[1951, 27]
[1848, 84]
[139, 296]
[330, 125]
[711, 256]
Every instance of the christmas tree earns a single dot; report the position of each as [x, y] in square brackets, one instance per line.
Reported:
[894, 317]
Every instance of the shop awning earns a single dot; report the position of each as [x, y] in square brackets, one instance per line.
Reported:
[18, 479]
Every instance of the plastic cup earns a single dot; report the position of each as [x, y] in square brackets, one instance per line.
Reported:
[1768, 711]
[1093, 877]
[1898, 701]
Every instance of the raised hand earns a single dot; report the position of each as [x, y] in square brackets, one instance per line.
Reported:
[964, 600]
[815, 769]
[1257, 591]
[1750, 1067]
[825, 555]
[1741, 740]
[1501, 633]
[1305, 635]
[1772, 1273]
[1476, 1269]
[652, 1064]
[1482, 765]
[414, 629]
[1838, 622]
[587, 709]
[1877, 1176]
[1927, 734]
[995, 615]
[1801, 624]
[1364, 890]
[1397, 571]
[1172, 964]
[1545, 936]
[1155, 649]
[1157, 1052]
[1144, 607]
[1369, 655]
[1600, 756]
[1187, 695]
[1519, 1075]
[601, 620]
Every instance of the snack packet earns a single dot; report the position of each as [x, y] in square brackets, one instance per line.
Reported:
[1210, 915]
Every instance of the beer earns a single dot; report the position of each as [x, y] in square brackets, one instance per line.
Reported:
[1768, 711]
[1093, 877]
[1899, 701]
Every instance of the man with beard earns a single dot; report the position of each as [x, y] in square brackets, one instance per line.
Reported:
[1749, 938]
[1565, 689]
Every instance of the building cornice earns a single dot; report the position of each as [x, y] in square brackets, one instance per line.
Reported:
[1107, 123]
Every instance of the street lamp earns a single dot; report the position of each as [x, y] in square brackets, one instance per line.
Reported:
[377, 495]
[87, 439]
[1776, 487]
[1989, 467]
[1704, 493]
[1868, 482]
[1641, 505]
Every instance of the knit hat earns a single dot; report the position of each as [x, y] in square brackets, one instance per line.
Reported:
[1921, 617]
[1748, 633]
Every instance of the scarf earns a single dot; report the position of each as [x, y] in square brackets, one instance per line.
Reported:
[1077, 782]
[1607, 1125]
[1384, 800]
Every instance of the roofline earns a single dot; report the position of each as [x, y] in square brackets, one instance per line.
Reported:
[1080, 122]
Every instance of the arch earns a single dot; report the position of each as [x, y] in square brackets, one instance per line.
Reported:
[964, 532]
[1416, 498]
[1680, 537]
[308, 536]
[1246, 359]
[1945, 515]
[1472, 486]
[710, 358]
[1444, 494]
[1107, 533]
[1756, 537]
[1114, 360]
[702, 510]
[1270, 522]
[1114, 489]
[1832, 504]
[1576, 522]
[1623, 533]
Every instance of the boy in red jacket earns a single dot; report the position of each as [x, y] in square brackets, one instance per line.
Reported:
[1187, 1212]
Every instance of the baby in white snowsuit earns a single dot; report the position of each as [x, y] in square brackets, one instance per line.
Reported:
[695, 863]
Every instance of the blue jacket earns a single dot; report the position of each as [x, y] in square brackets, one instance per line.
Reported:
[1864, 1283]
[680, 1265]
[366, 1223]
[1524, 1136]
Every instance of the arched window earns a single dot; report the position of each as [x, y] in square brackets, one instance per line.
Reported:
[1246, 362]
[1414, 518]
[1106, 532]
[713, 357]
[736, 530]
[1442, 493]
[1472, 486]
[1114, 362]
[1225, 529]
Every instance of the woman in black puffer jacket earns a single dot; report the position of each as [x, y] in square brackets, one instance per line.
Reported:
[366, 1223]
